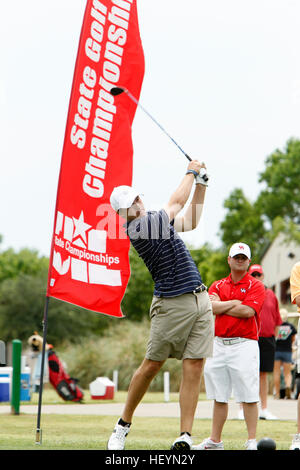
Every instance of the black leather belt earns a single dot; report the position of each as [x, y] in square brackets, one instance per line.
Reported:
[198, 289]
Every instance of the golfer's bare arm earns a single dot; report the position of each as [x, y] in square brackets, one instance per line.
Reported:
[190, 219]
[182, 193]
[192, 216]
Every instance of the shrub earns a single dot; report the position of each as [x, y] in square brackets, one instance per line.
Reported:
[122, 347]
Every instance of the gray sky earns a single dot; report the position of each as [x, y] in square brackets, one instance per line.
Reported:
[222, 77]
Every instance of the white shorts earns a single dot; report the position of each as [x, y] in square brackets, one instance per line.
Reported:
[234, 368]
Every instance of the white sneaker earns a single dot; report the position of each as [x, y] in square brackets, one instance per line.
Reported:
[208, 444]
[295, 442]
[251, 444]
[266, 414]
[183, 442]
[117, 439]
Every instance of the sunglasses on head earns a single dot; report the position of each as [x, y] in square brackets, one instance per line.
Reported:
[255, 274]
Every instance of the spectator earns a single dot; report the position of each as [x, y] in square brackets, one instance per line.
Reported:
[283, 354]
[295, 298]
[270, 320]
[236, 301]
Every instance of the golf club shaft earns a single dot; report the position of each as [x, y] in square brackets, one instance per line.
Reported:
[202, 174]
[133, 98]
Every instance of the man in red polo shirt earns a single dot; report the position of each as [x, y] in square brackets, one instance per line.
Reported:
[237, 301]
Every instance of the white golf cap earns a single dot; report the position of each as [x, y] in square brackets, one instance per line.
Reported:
[122, 197]
[240, 249]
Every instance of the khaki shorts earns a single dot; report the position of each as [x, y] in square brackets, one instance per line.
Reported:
[182, 327]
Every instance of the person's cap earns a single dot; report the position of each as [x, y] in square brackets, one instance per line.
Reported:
[256, 268]
[122, 197]
[240, 249]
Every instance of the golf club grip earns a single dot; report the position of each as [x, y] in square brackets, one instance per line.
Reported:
[202, 175]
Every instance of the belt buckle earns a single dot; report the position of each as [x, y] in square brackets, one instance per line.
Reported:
[226, 342]
[230, 341]
[199, 289]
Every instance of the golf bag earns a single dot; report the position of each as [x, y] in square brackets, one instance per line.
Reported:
[65, 385]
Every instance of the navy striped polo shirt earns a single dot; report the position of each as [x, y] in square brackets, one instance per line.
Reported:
[171, 265]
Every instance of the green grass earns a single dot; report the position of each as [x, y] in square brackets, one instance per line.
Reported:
[74, 432]
[64, 432]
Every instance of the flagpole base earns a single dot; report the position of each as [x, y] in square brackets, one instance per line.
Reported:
[38, 437]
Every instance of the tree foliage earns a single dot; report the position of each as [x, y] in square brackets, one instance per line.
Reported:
[211, 262]
[281, 196]
[22, 301]
[25, 261]
[276, 209]
[243, 222]
[139, 292]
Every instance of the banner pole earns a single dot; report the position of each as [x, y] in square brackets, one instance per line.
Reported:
[45, 327]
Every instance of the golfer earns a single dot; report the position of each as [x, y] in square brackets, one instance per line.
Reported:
[181, 313]
[234, 367]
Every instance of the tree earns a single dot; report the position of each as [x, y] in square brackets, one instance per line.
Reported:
[243, 222]
[139, 292]
[25, 261]
[211, 262]
[22, 301]
[281, 196]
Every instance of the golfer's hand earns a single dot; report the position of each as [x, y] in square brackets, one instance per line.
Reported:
[195, 166]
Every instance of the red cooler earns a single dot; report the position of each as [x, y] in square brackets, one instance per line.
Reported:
[102, 389]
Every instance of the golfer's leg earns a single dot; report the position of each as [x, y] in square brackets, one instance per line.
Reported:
[139, 385]
[189, 392]
[251, 417]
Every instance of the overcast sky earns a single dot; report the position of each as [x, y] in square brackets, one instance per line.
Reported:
[222, 77]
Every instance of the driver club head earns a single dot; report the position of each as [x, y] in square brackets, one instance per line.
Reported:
[115, 91]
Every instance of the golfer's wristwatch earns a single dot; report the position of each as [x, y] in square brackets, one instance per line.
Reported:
[195, 173]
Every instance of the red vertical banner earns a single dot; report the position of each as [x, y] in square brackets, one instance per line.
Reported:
[89, 263]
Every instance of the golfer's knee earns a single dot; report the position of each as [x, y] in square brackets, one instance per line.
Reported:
[193, 366]
[150, 368]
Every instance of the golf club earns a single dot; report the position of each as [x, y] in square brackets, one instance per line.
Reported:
[115, 91]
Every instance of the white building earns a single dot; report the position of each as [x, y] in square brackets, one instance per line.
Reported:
[277, 264]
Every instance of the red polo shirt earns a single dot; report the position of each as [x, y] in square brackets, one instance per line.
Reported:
[269, 315]
[252, 293]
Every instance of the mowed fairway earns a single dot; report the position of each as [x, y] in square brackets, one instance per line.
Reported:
[75, 432]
